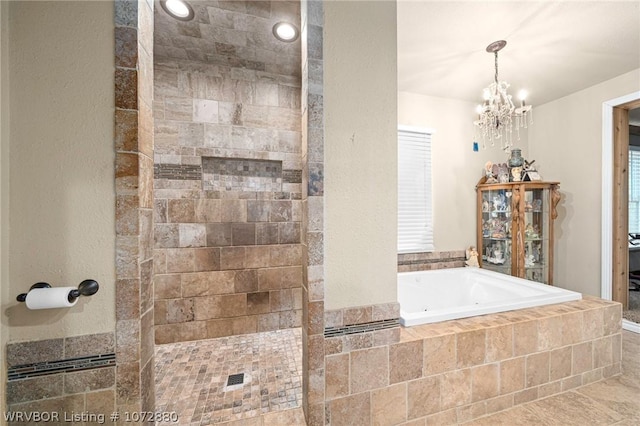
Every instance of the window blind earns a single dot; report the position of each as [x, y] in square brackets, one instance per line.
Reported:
[415, 224]
[634, 189]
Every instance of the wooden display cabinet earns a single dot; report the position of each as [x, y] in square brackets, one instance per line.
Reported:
[515, 228]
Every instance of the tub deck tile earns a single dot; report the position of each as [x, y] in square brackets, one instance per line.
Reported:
[515, 357]
[588, 303]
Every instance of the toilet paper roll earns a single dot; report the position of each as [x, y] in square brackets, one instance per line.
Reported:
[45, 298]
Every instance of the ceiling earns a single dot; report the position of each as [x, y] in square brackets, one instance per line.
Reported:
[554, 48]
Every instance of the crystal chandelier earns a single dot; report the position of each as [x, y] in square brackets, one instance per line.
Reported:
[498, 115]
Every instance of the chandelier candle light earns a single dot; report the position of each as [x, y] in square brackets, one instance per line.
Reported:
[497, 114]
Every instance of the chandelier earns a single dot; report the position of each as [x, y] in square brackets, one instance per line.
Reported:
[497, 116]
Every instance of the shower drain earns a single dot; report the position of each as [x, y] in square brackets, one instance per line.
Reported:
[235, 379]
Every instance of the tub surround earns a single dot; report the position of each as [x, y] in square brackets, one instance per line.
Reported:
[228, 173]
[456, 371]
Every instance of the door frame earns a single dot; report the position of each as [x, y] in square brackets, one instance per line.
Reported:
[615, 145]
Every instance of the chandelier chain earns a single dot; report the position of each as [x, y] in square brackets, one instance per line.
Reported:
[496, 76]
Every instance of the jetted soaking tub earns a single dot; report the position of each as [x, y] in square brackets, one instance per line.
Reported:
[446, 294]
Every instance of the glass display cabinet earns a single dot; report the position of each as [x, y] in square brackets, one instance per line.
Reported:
[515, 228]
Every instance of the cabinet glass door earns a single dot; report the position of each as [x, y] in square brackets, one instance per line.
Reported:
[536, 235]
[496, 230]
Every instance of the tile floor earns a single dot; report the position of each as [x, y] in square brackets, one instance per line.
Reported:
[191, 377]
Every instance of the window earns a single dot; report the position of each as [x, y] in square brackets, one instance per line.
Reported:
[415, 224]
[634, 189]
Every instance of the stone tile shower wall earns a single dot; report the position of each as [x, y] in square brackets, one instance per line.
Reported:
[227, 178]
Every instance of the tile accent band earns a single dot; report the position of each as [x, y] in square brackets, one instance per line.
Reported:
[424, 261]
[177, 171]
[361, 328]
[292, 176]
[62, 366]
[242, 167]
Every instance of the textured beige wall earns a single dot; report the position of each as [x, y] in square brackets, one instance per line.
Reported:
[62, 196]
[566, 141]
[360, 81]
[4, 193]
[456, 168]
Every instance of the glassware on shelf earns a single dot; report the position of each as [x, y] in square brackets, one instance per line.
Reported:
[531, 232]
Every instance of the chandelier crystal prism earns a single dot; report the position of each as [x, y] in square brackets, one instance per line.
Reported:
[497, 115]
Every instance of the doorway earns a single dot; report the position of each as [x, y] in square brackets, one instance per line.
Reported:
[615, 157]
[632, 313]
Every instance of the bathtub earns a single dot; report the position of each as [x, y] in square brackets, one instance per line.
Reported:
[446, 294]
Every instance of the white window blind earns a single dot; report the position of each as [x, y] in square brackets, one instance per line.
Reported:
[634, 189]
[415, 224]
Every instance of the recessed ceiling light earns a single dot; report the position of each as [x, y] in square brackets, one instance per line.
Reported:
[285, 31]
[179, 9]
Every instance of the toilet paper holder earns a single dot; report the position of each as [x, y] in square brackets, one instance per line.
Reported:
[85, 288]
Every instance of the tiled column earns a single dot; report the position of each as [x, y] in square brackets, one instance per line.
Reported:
[134, 205]
[312, 18]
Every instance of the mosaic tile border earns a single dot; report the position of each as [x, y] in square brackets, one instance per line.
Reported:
[241, 174]
[361, 328]
[177, 171]
[244, 167]
[421, 262]
[292, 176]
[62, 366]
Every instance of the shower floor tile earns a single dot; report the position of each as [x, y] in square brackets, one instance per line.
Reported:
[191, 377]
